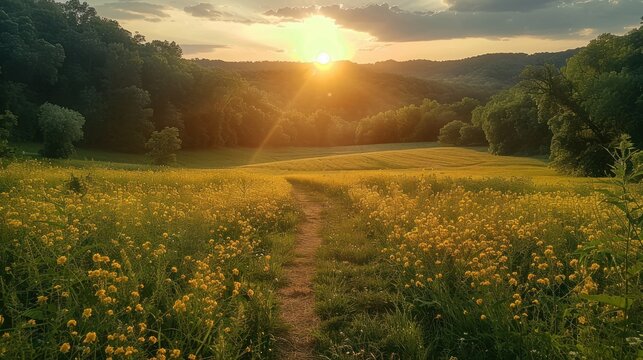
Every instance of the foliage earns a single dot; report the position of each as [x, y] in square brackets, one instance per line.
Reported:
[7, 122]
[412, 123]
[450, 133]
[624, 251]
[163, 146]
[511, 124]
[594, 99]
[472, 135]
[60, 128]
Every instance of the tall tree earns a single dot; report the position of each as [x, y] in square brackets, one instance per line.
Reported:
[592, 101]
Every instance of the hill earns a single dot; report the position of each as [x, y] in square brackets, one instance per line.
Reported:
[487, 71]
[356, 90]
[349, 90]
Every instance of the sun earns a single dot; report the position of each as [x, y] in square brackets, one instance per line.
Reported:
[323, 58]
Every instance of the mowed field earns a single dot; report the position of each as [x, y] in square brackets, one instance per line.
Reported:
[426, 252]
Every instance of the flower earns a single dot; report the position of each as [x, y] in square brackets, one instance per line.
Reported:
[71, 323]
[61, 260]
[64, 348]
[87, 313]
[90, 337]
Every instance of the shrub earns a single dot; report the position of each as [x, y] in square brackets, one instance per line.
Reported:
[472, 135]
[163, 145]
[60, 128]
[450, 133]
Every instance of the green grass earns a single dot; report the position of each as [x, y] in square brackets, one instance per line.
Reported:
[403, 159]
[225, 157]
[358, 306]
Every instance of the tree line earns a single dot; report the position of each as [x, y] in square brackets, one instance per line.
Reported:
[572, 113]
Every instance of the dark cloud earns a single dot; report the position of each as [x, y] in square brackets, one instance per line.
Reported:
[211, 12]
[390, 23]
[498, 5]
[189, 49]
[132, 10]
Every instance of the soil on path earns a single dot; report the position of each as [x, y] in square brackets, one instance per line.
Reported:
[297, 297]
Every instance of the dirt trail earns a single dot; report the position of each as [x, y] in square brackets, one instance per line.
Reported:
[297, 297]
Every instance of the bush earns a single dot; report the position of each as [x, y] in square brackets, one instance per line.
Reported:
[7, 122]
[472, 135]
[450, 133]
[60, 128]
[163, 145]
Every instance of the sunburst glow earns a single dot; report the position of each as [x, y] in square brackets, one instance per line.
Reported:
[323, 58]
[318, 39]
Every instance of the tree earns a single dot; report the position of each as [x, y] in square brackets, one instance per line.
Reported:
[7, 122]
[60, 128]
[592, 101]
[471, 135]
[510, 121]
[163, 145]
[450, 133]
[128, 124]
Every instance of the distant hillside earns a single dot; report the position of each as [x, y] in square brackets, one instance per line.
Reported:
[349, 90]
[357, 90]
[493, 71]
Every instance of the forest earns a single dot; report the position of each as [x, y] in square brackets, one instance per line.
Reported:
[63, 58]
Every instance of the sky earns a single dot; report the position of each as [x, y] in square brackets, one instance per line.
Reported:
[364, 31]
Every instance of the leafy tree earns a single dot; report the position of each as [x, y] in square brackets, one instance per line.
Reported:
[7, 123]
[163, 145]
[511, 124]
[60, 128]
[128, 124]
[592, 101]
[471, 135]
[450, 133]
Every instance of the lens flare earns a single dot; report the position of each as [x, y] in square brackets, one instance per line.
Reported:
[323, 58]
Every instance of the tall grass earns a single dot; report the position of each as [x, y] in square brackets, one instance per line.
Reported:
[491, 269]
[140, 264]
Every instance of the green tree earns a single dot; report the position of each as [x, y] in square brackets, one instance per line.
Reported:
[128, 124]
[450, 133]
[594, 99]
[471, 135]
[7, 122]
[511, 124]
[60, 128]
[163, 145]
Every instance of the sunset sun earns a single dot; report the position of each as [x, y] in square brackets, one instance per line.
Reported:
[323, 58]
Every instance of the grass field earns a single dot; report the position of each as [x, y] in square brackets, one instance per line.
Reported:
[428, 252]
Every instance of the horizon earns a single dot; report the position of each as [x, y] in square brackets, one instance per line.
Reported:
[365, 32]
[313, 62]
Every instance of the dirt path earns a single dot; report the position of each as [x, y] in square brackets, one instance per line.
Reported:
[297, 297]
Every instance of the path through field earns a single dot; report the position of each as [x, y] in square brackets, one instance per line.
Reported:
[297, 297]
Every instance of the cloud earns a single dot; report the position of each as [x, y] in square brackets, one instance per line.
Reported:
[133, 10]
[190, 49]
[214, 13]
[393, 24]
[498, 5]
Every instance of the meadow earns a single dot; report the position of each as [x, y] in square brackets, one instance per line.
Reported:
[428, 252]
